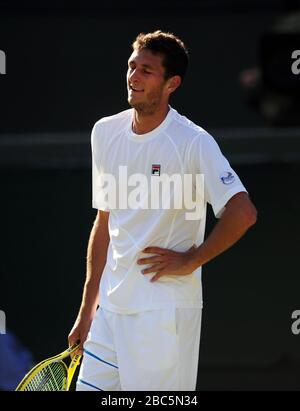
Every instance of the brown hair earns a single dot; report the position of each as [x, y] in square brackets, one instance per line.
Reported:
[174, 52]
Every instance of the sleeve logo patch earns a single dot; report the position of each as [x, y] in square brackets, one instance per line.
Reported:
[227, 177]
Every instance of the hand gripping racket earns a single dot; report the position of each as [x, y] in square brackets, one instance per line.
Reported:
[51, 374]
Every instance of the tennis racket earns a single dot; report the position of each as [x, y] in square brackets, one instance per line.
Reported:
[51, 374]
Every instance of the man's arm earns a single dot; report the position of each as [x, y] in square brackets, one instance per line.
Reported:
[96, 259]
[239, 215]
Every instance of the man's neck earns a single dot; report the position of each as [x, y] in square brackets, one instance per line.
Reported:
[143, 124]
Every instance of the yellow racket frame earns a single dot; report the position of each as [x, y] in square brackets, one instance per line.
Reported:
[57, 358]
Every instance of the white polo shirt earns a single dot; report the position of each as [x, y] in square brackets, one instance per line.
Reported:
[126, 167]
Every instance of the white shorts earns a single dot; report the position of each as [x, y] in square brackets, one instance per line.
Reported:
[154, 350]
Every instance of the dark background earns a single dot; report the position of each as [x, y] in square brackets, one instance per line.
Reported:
[66, 67]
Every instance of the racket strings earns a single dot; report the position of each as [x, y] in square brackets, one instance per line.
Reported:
[50, 378]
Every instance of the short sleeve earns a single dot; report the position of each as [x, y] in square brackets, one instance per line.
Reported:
[220, 180]
[99, 200]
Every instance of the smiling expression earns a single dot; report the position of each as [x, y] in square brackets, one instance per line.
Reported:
[146, 84]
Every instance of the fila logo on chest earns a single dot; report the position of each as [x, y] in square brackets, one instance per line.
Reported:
[155, 171]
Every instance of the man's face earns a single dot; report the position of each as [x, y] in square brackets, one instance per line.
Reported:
[146, 85]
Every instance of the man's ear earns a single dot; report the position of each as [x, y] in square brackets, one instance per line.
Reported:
[173, 83]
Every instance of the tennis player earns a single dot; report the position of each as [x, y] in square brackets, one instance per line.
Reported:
[144, 263]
